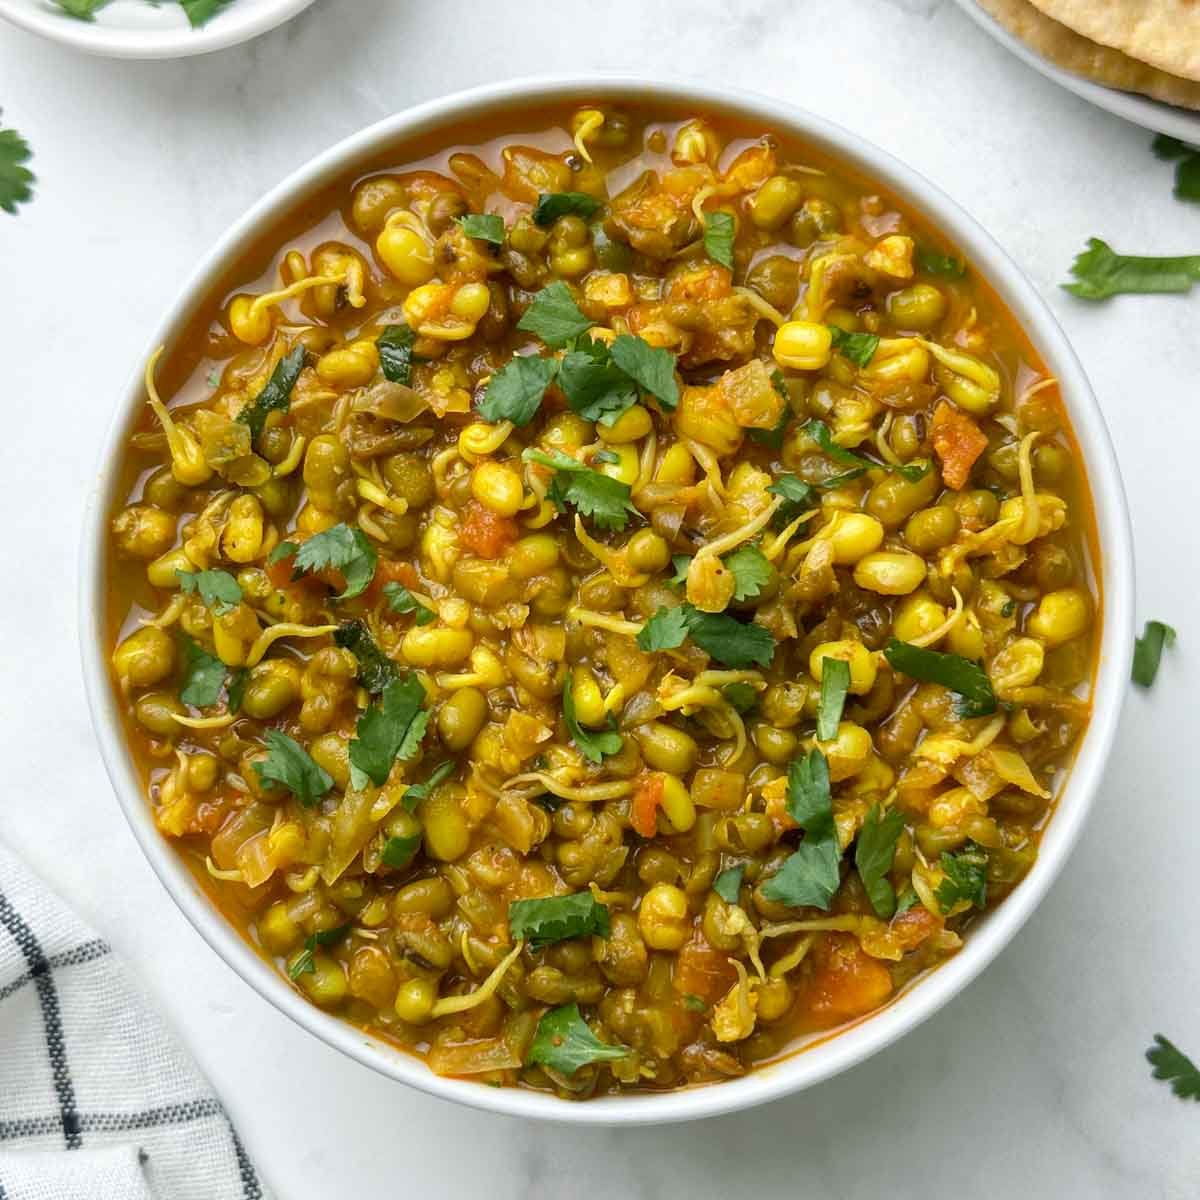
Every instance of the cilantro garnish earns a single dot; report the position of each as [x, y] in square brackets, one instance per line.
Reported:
[15, 178]
[375, 669]
[809, 798]
[276, 395]
[288, 763]
[835, 683]
[650, 367]
[303, 964]
[966, 877]
[416, 792]
[719, 232]
[200, 12]
[401, 601]
[1187, 169]
[874, 853]
[398, 852]
[728, 640]
[83, 10]
[389, 730]
[681, 563]
[515, 392]
[235, 688]
[1148, 650]
[773, 438]
[742, 696]
[751, 572]
[340, 548]
[593, 744]
[598, 496]
[729, 883]
[859, 348]
[218, 589]
[819, 432]
[564, 1043]
[487, 227]
[694, 1003]
[552, 205]
[968, 679]
[934, 262]
[546, 920]
[1100, 273]
[798, 497]
[595, 387]
[808, 878]
[554, 316]
[203, 674]
[396, 358]
[1170, 1063]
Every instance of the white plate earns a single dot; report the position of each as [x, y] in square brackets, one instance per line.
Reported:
[1141, 110]
[140, 29]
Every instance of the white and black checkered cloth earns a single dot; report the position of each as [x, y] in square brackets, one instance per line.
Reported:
[97, 1099]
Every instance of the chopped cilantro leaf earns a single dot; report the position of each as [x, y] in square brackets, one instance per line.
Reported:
[341, 549]
[1170, 1063]
[515, 392]
[593, 744]
[751, 572]
[200, 12]
[907, 898]
[416, 792]
[934, 262]
[276, 395]
[396, 358]
[966, 877]
[389, 730]
[808, 878]
[665, 630]
[549, 919]
[874, 852]
[375, 669]
[401, 601]
[681, 563]
[773, 438]
[1148, 649]
[798, 497]
[218, 589]
[719, 232]
[554, 316]
[1166, 147]
[1100, 273]
[859, 348]
[694, 1003]
[835, 683]
[729, 883]
[650, 367]
[809, 798]
[742, 696]
[595, 387]
[288, 763]
[564, 1043]
[203, 674]
[398, 852]
[303, 963]
[487, 227]
[552, 205]
[730, 641]
[16, 179]
[604, 499]
[968, 679]
[235, 688]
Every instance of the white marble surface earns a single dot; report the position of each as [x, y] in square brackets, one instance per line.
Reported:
[1032, 1082]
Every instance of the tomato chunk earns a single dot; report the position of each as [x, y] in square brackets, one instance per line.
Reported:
[647, 800]
[701, 970]
[846, 982]
[485, 533]
[958, 442]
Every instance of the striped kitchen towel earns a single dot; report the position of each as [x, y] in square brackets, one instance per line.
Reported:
[97, 1099]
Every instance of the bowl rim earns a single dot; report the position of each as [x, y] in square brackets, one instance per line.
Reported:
[228, 28]
[871, 1034]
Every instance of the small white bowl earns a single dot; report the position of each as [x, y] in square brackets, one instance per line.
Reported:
[985, 940]
[138, 29]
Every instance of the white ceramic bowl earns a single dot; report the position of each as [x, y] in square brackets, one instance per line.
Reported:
[138, 29]
[985, 940]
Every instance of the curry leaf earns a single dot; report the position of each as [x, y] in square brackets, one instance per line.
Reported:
[398, 852]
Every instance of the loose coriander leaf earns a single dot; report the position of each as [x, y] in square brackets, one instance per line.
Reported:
[276, 395]
[651, 367]
[595, 387]
[398, 851]
[200, 12]
[1187, 178]
[1148, 650]
[729, 883]
[401, 601]
[341, 549]
[282, 551]
[515, 392]
[934, 262]
[798, 497]
[1166, 147]
[966, 877]
[665, 630]
[288, 763]
[719, 231]
[859, 348]
[593, 744]
[809, 878]
[1170, 1063]
[742, 696]
[375, 669]
[681, 563]
[604, 499]
[694, 1003]
[487, 227]
[907, 898]
[874, 852]
[554, 316]
[303, 963]
[773, 438]
[16, 179]
[235, 688]
[835, 683]
[730, 641]
[218, 589]
[952, 671]
[84, 10]
[396, 358]
[751, 572]
[809, 798]
[416, 792]
[549, 919]
[203, 675]
[389, 729]
[552, 205]
[1100, 273]
[564, 1043]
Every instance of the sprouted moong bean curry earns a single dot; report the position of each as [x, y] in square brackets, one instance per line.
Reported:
[605, 601]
